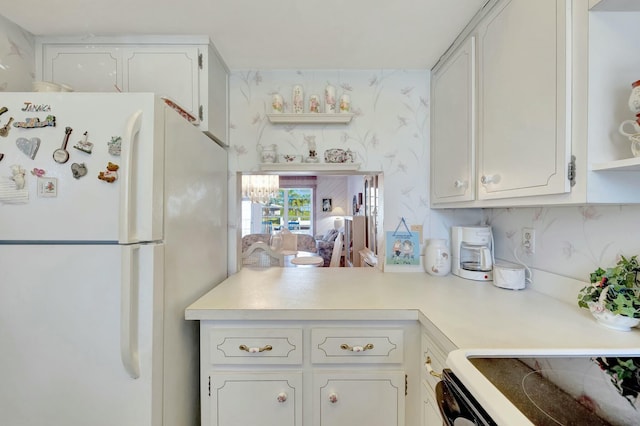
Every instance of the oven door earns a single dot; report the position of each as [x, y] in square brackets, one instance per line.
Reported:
[457, 406]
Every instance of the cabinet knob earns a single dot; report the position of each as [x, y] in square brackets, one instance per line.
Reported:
[430, 369]
[487, 179]
[254, 350]
[333, 397]
[366, 347]
[460, 184]
[282, 397]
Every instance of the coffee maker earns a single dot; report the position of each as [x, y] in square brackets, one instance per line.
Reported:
[472, 252]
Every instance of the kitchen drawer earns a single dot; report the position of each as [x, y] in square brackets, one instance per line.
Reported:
[252, 346]
[357, 345]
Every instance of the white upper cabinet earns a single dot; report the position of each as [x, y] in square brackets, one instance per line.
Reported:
[453, 127]
[553, 82]
[524, 143]
[187, 70]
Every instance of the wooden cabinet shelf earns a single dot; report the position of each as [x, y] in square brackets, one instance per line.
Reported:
[310, 118]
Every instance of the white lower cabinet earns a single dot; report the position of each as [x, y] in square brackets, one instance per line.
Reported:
[370, 398]
[430, 412]
[265, 398]
[307, 373]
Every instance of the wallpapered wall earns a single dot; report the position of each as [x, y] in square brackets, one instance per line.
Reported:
[389, 134]
[17, 57]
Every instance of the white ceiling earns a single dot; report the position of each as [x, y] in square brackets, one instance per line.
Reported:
[270, 34]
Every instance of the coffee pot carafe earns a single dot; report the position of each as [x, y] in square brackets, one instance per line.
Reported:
[472, 252]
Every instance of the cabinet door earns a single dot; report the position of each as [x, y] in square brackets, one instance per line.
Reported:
[524, 141]
[237, 398]
[86, 68]
[430, 411]
[171, 71]
[367, 398]
[453, 127]
[217, 116]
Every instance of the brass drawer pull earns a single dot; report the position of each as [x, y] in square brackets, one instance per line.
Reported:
[255, 350]
[430, 369]
[366, 347]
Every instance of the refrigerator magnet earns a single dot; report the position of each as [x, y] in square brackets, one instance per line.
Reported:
[34, 122]
[37, 172]
[114, 145]
[84, 145]
[28, 147]
[4, 130]
[18, 176]
[78, 170]
[111, 174]
[61, 155]
[47, 187]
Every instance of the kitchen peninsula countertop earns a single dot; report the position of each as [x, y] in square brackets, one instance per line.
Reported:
[470, 314]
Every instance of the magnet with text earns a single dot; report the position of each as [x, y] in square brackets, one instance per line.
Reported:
[111, 174]
[47, 187]
[61, 155]
[84, 145]
[28, 147]
[115, 145]
[4, 130]
[78, 170]
[34, 122]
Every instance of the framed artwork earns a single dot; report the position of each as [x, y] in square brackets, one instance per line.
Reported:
[402, 249]
[326, 204]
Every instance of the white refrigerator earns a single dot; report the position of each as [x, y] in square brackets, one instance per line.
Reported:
[95, 272]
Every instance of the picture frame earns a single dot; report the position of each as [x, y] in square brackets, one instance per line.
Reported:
[402, 249]
[326, 205]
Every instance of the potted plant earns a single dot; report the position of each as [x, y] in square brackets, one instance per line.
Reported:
[613, 297]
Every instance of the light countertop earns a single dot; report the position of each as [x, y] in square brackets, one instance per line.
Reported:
[471, 314]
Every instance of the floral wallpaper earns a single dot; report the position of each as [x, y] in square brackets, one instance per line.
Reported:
[17, 57]
[389, 131]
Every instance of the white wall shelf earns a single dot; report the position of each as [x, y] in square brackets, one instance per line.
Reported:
[628, 164]
[310, 118]
[309, 167]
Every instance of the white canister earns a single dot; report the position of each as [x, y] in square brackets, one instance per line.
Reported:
[297, 103]
[329, 99]
[345, 103]
[277, 103]
[437, 259]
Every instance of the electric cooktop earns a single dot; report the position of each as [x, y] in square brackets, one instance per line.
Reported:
[568, 390]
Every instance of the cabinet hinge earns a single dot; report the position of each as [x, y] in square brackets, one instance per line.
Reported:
[201, 113]
[406, 385]
[209, 385]
[571, 170]
[200, 60]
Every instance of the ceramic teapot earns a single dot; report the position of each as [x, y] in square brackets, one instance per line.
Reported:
[634, 98]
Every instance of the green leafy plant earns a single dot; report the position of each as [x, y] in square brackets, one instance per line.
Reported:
[622, 286]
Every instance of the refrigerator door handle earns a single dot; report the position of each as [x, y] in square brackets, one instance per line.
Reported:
[126, 213]
[129, 311]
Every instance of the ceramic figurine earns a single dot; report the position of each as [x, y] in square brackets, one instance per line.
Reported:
[298, 99]
[634, 98]
[329, 99]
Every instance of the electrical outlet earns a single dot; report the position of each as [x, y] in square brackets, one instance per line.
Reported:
[529, 240]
